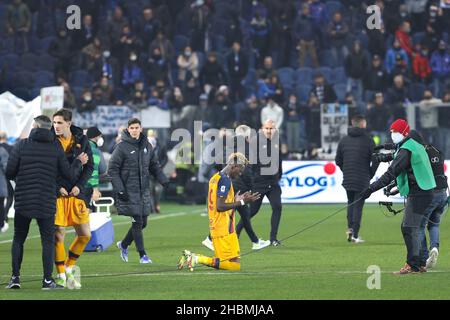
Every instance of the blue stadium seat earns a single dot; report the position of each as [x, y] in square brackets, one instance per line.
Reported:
[80, 78]
[10, 61]
[369, 95]
[78, 92]
[341, 90]
[339, 75]
[327, 59]
[331, 7]
[46, 62]
[302, 92]
[326, 72]
[201, 59]
[22, 93]
[286, 76]
[418, 37]
[415, 91]
[44, 79]
[303, 76]
[29, 61]
[35, 92]
[219, 43]
[179, 43]
[24, 79]
[250, 78]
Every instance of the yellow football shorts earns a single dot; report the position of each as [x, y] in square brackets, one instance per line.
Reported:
[226, 247]
[71, 211]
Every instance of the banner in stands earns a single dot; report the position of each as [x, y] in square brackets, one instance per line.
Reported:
[52, 98]
[333, 124]
[16, 115]
[321, 182]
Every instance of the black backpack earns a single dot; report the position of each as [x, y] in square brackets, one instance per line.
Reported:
[437, 165]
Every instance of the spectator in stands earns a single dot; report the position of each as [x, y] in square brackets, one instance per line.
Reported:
[61, 49]
[317, 9]
[250, 112]
[417, 10]
[400, 68]
[159, 95]
[272, 111]
[69, 98]
[98, 98]
[107, 90]
[402, 35]
[421, 65]
[440, 65]
[337, 32]
[157, 67]
[397, 97]
[282, 33]
[92, 54]
[293, 125]
[378, 118]
[437, 19]
[305, 37]
[356, 66]
[376, 79]
[86, 104]
[267, 69]
[187, 62]
[107, 66]
[237, 64]
[429, 121]
[212, 72]
[199, 16]
[222, 112]
[377, 41]
[191, 91]
[260, 28]
[115, 26]
[233, 33]
[443, 137]
[323, 91]
[148, 26]
[131, 72]
[392, 55]
[313, 126]
[431, 38]
[128, 42]
[164, 45]
[18, 24]
[391, 15]
[84, 36]
[176, 101]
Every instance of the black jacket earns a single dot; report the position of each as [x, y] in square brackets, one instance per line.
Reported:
[262, 182]
[130, 166]
[81, 145]
[237, 69]
[354, 157]
[34, 164]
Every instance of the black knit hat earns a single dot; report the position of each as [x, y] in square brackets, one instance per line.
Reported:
[93, 132]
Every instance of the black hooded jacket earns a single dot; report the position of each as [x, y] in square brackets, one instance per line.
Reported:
[354, 157]
[34, 164]
[130, 166]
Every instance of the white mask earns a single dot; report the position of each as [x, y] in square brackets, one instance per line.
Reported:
[100, 142]
[397, 137]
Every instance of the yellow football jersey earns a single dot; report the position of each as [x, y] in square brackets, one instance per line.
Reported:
[220, 223]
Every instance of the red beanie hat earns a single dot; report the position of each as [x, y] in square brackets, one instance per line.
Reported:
[400, 126]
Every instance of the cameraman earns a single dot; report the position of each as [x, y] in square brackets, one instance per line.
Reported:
[412, 170]
[354, 158]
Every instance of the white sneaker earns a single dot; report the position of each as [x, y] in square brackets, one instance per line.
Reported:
[357, 240]
[4, 228]
[432, 260]
[260, 244]
[208, 243]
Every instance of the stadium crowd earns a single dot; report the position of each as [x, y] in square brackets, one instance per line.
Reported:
[237, 61]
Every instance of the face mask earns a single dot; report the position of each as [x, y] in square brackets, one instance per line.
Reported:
[133, 58]
[100, 142]
[106, 54]
[397, 137]
[88, 98]
[187, 53]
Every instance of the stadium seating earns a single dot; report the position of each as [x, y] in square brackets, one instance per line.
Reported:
[303, 76]
[341, 90]
[29, 61]
[302, 92]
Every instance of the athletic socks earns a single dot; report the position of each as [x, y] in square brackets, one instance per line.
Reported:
[76, 249]
[60, 257]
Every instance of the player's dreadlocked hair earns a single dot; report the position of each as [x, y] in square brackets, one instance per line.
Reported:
[237, 158]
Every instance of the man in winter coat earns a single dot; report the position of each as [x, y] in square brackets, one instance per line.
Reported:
[354, 157]
[130, 167]
[35, 164]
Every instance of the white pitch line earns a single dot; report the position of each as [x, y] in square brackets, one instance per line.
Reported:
[170, 215]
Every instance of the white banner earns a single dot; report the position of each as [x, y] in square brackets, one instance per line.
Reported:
[154, 117]
[52, 98]
[321, 182]
[16, 115]
[333, 125]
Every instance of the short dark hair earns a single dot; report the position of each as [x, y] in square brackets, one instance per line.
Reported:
[43, 122]
[134, 121]
[357, 119]
[65, 113]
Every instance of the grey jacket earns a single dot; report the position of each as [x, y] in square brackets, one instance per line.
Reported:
[3, 162]
[130, 167]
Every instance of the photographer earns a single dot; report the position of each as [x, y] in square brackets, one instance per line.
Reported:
[354, 158]
[412, 170]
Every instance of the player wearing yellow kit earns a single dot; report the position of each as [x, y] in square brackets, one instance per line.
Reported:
[221, 204]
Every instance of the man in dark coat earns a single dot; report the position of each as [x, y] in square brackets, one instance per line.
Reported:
[35, 163]
[354, 157]
[130, 167]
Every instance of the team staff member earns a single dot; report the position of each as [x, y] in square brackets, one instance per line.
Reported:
[35, 163]
[130, 167]
[221, 204]
[95, 141]
[267, 184]
[412, 171]
[71, 205]
[354, 157]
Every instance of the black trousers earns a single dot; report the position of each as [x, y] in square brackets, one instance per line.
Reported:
[354, 212]
[46, 229]
[244, 212]
[135, 233]
[2, 212]
[414, 213]
[273, 193]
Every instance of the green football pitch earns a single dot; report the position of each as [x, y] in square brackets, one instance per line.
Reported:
[318, 263]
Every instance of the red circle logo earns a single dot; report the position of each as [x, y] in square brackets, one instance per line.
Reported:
[445, 167]
[329, 168]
